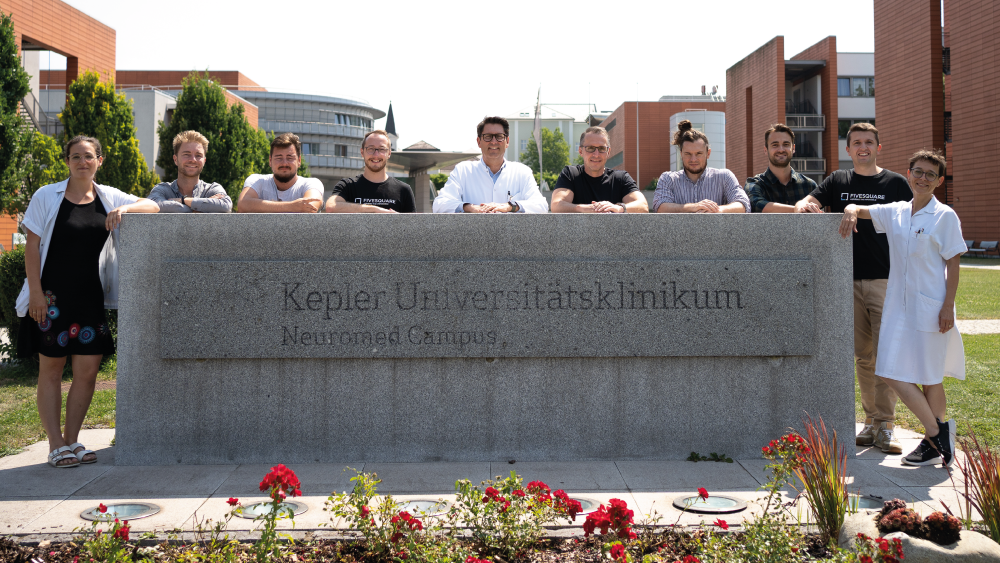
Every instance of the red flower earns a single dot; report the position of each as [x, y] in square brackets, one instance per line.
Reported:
[233, 501]
[122, 532]
[519, 493]
[279, 481]
[101, 508]
[703, 493]
[722, 524]
[766, 450]
[536, 487]
[690, 559]
[365, 511]
[618, 552]
[866, 559]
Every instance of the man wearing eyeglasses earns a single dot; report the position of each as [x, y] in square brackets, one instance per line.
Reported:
[866, 184]
[284, 191]
[372, 191]
[491, 185]
[592, 188]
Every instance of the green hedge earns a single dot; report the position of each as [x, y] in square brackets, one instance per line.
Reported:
[11, 280]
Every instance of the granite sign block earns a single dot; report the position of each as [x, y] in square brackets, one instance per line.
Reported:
[486, 308]
[212, 369]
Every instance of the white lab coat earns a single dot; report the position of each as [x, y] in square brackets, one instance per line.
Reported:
[470, 182]
[911, 348]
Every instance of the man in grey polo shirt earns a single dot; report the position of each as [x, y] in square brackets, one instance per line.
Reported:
[189, 193]
[698, 188]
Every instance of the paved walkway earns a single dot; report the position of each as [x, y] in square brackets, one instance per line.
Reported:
[985, 326]
[981, 267]
[38, 502]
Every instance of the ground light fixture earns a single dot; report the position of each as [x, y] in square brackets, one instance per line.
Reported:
[121, 511]
[425, 507]
[587, 505]
[715, 504]
[258, 509]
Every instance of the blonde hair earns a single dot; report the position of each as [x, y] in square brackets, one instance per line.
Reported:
[190, 137]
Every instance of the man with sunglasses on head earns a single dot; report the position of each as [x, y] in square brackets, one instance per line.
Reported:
[866, 184]
[592, 188]
[491, 185]
[372, 191]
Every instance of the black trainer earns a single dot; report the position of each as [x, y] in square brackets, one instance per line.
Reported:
[945, 442]
[925, 454]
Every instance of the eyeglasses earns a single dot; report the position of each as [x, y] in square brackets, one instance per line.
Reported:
[371, 151]
[88, 158]
[918, 173]
[591, 149]
[495, 137]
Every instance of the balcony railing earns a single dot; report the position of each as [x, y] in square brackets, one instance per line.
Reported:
[41, 121]
[804, 107]
[805, 121]
[809, 165]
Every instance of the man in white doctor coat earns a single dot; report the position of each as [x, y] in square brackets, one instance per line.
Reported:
[493, 184]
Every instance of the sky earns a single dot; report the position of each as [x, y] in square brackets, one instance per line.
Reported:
[445, 65]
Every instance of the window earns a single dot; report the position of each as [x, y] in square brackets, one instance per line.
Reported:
[856, 87]
[307, 148]
[524, 145]
[843, 125]
[616, 160]
[611, 125]
[339, 150]
[844, 87]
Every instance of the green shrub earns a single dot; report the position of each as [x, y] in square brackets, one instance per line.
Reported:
[11, 279]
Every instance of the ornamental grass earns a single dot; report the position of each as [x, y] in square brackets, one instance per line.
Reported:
[823, 473]
[981, 470]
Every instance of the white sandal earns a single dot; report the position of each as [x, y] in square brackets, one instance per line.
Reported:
[81, 455]
[60, 454]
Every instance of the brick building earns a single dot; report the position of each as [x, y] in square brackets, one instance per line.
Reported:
[649, 129]
[920, 65]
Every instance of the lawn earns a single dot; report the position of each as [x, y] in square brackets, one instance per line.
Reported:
[19, 423]
[973, 402]
[978, 293]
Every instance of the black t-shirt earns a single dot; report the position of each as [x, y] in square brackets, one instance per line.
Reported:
[844, 187]
[613, 186]
[391, 194]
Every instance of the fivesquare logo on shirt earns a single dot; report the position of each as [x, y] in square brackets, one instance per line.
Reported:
[845, 197]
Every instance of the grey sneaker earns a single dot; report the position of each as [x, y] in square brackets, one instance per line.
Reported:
[885, 438]
[867, 435]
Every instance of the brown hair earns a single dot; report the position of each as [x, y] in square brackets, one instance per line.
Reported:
[597, 130]
[376, 132]
[779, 128]
[496, 121]
[862, 127]
[932, 156]
[82, 139]
[190, 137]
[686, 133]
[287, 140]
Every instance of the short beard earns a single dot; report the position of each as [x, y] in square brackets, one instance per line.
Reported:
[379, 169]
[692, 171]
[181, 171]
[787, 163]
[285, 179]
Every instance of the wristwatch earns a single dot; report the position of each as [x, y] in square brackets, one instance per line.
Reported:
[624, 209]
[514, 207]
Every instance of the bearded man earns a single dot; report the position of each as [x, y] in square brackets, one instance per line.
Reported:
[372, 191]
[778, 188]
[189, 193]
[284, 191]
[698, 188]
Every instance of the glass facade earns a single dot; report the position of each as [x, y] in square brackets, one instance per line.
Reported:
[856, 87]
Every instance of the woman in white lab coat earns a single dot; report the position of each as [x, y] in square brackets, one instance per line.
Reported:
[918, 342]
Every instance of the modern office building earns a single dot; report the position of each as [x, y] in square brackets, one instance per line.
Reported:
[569, 119]
[940, 87]
[641, 133]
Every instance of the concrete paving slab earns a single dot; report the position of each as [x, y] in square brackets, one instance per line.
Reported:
[589, 476]
[930, 499]
[98, 440]
[684, 476]
[17, 516]
[909, 476]
[411, 478]
[39, 480]
[316, 478]
[65, 517]
[157, 482]
[862, 474]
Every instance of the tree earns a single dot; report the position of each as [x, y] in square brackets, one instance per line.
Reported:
[439, 180]
[555, 155]
[15, 137]
[93, 108]
[235, 148]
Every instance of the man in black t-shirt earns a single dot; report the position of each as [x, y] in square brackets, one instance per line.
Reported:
[372, 191]
[866, 184]
[592, 188]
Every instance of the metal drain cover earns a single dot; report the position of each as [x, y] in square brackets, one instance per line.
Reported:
[262, 508]
[715, 504]
[121, 511]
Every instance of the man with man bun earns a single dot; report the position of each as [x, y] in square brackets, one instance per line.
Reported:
[189, 193]
[284, 191]
[698, 188]
[592, 188]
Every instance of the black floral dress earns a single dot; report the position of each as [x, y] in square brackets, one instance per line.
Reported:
[75, 322]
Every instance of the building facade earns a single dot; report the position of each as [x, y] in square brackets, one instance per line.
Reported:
[569, 119]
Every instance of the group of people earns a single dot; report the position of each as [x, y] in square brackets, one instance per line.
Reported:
[906, 249]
